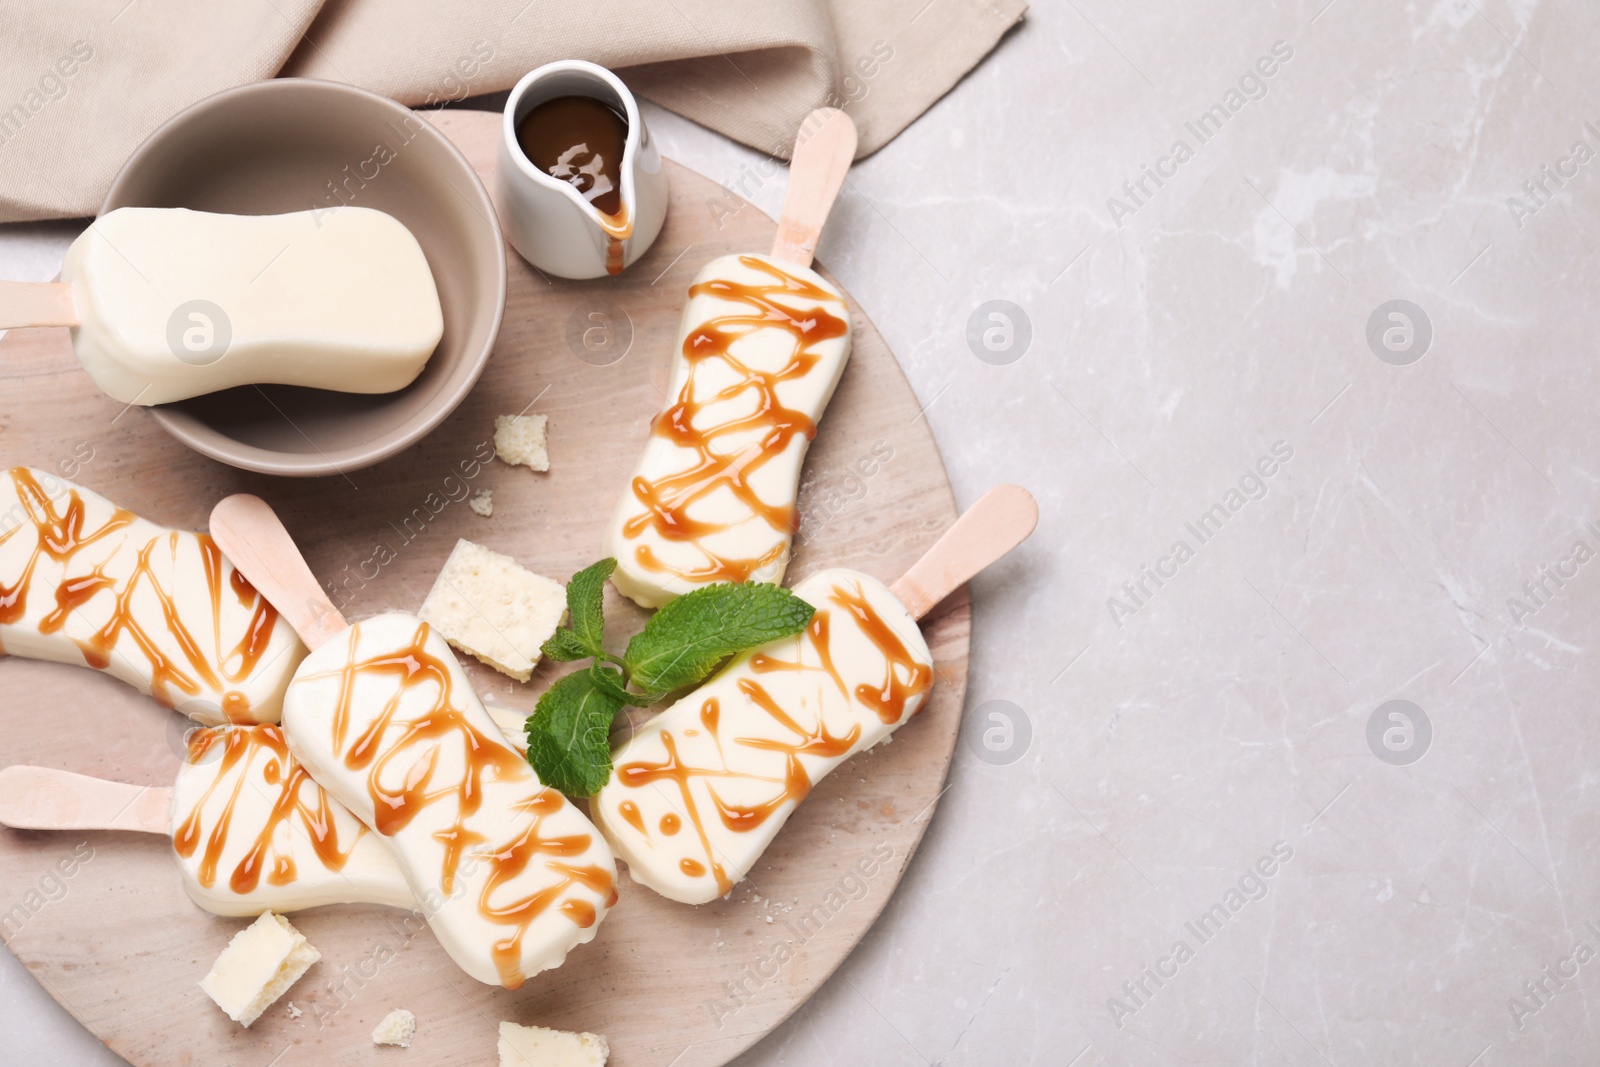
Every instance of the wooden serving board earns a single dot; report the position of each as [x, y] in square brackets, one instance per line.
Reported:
[102, 920]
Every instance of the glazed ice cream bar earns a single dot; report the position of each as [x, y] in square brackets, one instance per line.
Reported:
[254, 832]
[84, 581]
[761, 347]
[511, 875]
[172, 303]
[701, 790]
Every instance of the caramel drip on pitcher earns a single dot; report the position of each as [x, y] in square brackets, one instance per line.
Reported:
[667, 500]
[60, 536]
[298, 805]
[618, 228]
[795, 784]
[413, 741]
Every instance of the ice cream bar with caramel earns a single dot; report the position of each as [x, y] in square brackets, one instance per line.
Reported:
[84, 581]
[761, 347]
[510, 874]
[254, 832]
[702, 789]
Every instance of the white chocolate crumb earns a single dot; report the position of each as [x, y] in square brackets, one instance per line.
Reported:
[483, 503]
[397, 1028]
[520, 440]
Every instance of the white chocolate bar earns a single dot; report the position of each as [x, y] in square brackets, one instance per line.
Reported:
[702, 789]
[259, 965]
[510, 874]
[761, 347]
[83, 581]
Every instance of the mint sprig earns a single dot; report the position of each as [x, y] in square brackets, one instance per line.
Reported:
[679, 647]
[684, 641]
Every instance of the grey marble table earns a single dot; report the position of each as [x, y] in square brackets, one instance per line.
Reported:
[1287, 752]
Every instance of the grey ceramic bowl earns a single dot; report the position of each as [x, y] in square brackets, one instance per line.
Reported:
[292, 144]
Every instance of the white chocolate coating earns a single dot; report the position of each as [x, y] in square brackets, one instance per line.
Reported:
[254, 832]
[761, 347]
[510, 874]
[83, 581]
[174, 303]
[702, 789]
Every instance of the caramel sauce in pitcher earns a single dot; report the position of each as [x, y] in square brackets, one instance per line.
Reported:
[666, 501]
[581, 141]
[60, 534]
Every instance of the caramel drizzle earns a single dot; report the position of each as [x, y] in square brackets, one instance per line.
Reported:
[889, 699]
[666, 500]
[795, 784]
[416, 747]
[60, 535]
[300, 803]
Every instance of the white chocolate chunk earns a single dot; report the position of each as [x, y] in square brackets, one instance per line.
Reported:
[700, 791]
[761, 347]
[482, 503]
[537, 1046]
[510, 874]
[397, 1028]
[254, 832]
[259, 965]
[174, 303]
[520, 440]
[83, 581]
[493, 609]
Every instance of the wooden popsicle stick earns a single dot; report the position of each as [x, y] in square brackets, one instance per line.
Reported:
[822, 153]
[253, 538]
[42, 798]
[1000, 521]
[26, 304]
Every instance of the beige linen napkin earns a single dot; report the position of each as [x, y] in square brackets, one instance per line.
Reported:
[82, 82]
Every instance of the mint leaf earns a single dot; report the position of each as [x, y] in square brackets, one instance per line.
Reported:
[585, 603]
[564, 646]
[568, 735]
[569, 732]
[610, 680]
[686, 640]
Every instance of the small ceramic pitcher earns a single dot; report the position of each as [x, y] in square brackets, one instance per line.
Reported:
[548, 221]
